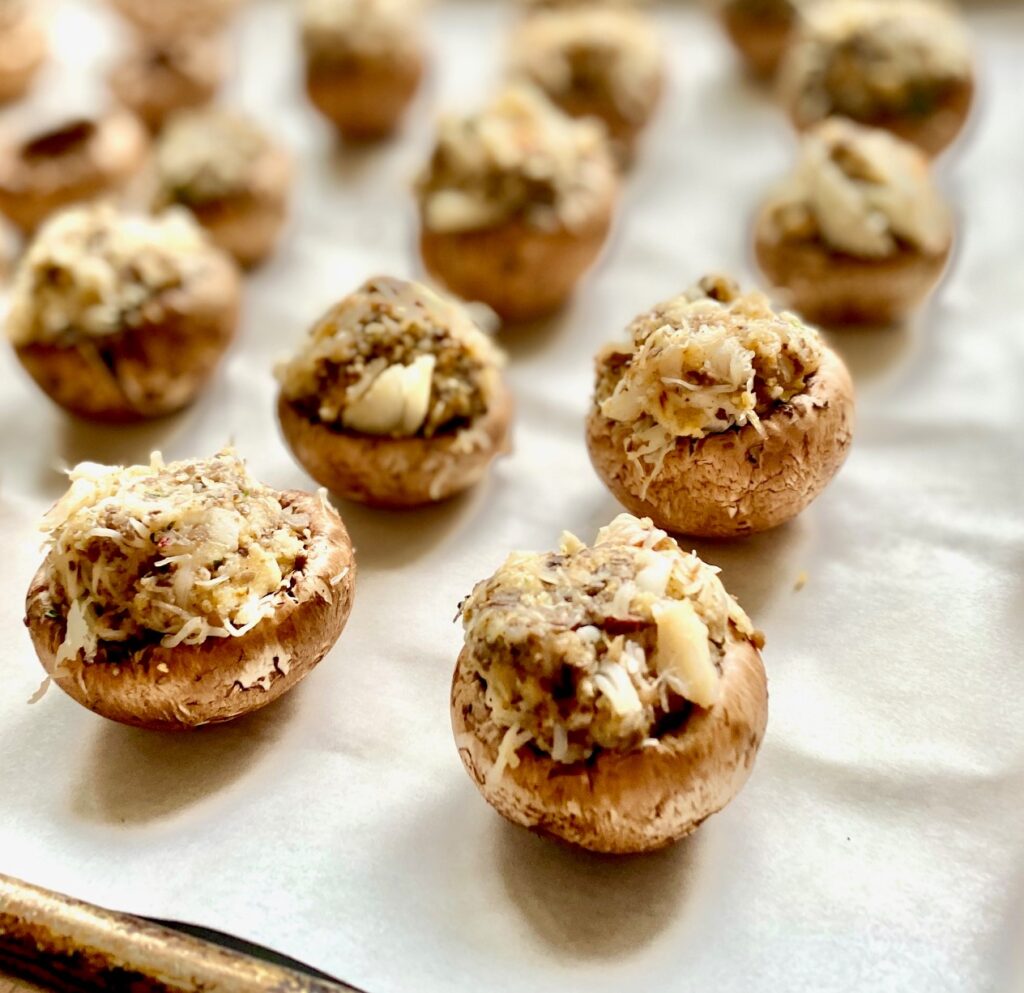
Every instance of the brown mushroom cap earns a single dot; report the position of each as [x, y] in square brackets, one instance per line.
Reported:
[736, 482]
[396, 472]
[519, 270]
[79, 160]
[151, 369]
[760, 37]
[834, 288]
[222, 678]
[365, 99]
[630, 802]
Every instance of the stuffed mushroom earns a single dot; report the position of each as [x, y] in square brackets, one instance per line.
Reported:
[611, 696]
[364, 62]
[230, 174]
[156, 78]
[719, 417]
[395, 398]
[74, 160]
[516, 204]
[120, 316]
[858, 234]
[602, 61]
[905, 67]
[180, 594]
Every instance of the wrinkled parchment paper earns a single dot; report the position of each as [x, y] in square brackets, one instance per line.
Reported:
[877, 845]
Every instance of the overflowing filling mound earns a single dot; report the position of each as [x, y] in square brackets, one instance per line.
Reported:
[588, 55]
[174, 553]
[338, 31]
[861, 191]
[873, 59]
[596, 648]
[706, 361]
[207, 155]
[96, 271]
[394, 359]
[518, 159]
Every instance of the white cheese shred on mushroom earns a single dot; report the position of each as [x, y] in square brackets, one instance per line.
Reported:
[703, 362]
[601, 647]
[41, 691]
[173, 554]
[394, 359]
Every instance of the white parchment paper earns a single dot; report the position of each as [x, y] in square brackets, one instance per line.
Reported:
[878, 844]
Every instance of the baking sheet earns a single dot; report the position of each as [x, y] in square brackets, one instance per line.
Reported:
[878, 843]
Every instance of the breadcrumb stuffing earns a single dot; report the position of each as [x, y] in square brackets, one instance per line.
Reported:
[867, 59]
[94, 271]
[173, 553]
[861, 191]
[520, 158]
[600, 647]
